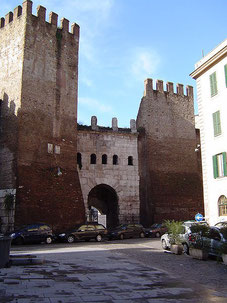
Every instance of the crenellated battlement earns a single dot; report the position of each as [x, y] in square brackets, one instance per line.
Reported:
[148, 88]
[26, 11]
[95, 127]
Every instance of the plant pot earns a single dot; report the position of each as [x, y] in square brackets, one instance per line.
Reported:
[5, 244]
[224, 258]
[199, 254]
[177, 249]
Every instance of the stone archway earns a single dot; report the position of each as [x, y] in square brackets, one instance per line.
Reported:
[104, 198]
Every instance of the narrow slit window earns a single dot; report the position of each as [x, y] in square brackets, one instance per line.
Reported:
[115, 160]
[130, 160]
[104, 159]
[79, 160]
[93, 158]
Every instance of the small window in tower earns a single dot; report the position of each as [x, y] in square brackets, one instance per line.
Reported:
[57, 149]
[104, 159]
[115, 160]
[93, 159]
[50, 148]
[79, 160]
[130, 160]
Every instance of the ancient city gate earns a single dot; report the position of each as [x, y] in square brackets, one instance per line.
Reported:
[104, 198]
[108, 171]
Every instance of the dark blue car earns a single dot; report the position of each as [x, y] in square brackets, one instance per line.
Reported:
[32, 233]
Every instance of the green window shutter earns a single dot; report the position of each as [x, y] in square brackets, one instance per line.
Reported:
[213, 84]
[224, 163]
[215, 166]
[217, 123]
[225, 67]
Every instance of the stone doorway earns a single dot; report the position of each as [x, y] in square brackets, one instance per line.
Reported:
[104, 198]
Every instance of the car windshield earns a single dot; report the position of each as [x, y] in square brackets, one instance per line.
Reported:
[221, 224]
[155, 225]
[122, 226]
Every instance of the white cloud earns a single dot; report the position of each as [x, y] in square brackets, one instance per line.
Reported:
[145, 63]
[93, 104]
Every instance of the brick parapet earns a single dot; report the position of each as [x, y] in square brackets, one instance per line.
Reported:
[26, 11]
[159, 87]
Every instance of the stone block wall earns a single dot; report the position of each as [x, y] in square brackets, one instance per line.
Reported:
[170, 170]
[122, 178]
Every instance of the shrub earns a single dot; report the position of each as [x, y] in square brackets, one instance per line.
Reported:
[9, 202]
[174, 229]
[201, 229]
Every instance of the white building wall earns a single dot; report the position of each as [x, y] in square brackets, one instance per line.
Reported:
[211, 145]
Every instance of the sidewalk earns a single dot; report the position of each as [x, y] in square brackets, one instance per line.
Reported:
[74, 274]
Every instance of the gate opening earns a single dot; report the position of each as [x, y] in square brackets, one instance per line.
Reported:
[104, 198]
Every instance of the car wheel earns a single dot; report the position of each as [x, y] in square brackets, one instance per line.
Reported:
[164, 246]
[49, 240]
[157, 235]
[121, 237]
[19, 241]
[186, 248]
[70, 239]
[142, 235]
[98, 238]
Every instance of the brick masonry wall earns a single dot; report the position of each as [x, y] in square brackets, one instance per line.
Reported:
[11, 53]
[46, 114]
[170, 170]
[123, 178]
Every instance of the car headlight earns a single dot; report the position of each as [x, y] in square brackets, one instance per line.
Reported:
[13, 235]
[61, 235]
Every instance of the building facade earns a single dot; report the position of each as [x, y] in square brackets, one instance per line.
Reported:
[107, 162]
[52, 172]
[211, 80]
[169, 167]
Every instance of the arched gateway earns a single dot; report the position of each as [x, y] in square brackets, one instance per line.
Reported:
[109, 181]
[104, 198]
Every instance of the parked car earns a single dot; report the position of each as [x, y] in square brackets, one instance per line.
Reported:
[184, 238]
[156, 230]
[213, 241]
[32, 233]
[221, 224]
[84, 232]
[127, 231]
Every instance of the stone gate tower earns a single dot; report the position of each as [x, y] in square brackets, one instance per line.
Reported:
[38, 92]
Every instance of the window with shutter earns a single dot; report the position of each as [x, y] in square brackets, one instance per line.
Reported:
[213, 84]
[215, 167]
[217, 123]
[225, 67]
[219, 165]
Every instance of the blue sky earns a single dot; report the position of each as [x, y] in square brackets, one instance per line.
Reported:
[123, 42]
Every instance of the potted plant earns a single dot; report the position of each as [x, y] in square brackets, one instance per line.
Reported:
[197, 247]
[174, 230]
[9, 203]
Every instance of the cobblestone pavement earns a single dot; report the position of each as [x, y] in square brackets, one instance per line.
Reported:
[94, 272]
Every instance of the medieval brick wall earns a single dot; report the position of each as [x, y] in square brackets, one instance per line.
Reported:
[170, 170]
[45, 95]
[120, 177]
[11, 53]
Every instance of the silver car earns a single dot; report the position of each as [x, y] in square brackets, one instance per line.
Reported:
[165, 240]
